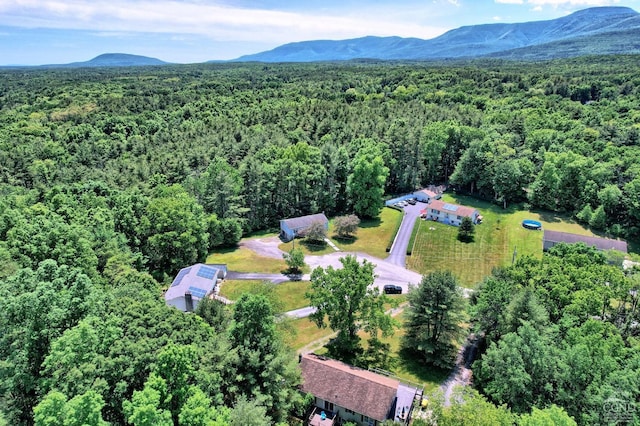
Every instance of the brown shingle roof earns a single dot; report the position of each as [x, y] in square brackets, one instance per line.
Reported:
[350, 387]
[597, 242]
[446, 207]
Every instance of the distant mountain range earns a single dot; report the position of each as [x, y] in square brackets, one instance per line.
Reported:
[112, 60]
[598, 30]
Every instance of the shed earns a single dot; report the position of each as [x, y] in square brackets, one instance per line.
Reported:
[426, 195]
[193, 284]
[551, 238]
[295, 227]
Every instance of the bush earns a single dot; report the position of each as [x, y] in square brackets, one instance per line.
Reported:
[346, 226]
[315, 232]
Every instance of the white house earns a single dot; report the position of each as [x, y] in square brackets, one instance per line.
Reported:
[193, 284]
[448, 213]
[295, 227]
[344, 393]
[426, 195]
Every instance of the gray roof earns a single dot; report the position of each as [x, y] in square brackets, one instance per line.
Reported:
[303, 222]
[199, 280]
[597, 242]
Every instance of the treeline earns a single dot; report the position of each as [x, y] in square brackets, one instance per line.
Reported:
[270, 141]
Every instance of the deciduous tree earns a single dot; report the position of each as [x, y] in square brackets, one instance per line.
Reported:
[366, 181]
[345, 301]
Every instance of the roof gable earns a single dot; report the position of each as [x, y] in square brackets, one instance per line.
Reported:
[350, 387]
[302, 222]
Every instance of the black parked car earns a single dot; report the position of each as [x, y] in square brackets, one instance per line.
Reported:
[392, 289]
[412, 201]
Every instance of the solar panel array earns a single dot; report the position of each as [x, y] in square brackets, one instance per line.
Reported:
[197, 292]
[207, 272]
[451, 207]
[180, 276]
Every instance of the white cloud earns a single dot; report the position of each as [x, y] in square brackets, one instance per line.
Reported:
[573, 2]
[200, 17]
[510, 1]
[497, 18]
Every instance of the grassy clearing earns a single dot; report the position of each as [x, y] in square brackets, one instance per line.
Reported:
[302, 332]
[307, 247]
[436, 246]
[233, 289]
[241, 259]
[287, 296]
[373, 234]
[406, 367]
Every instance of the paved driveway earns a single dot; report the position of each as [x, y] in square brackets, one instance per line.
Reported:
[398, 253]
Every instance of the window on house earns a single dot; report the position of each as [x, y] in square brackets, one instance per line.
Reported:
[328, 406]
[459, 217]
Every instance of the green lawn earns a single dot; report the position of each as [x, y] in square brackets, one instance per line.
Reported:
[301, 332]
[497, 238]
[372, 237]
[307, 248]
[287, 296]
[241, 259]
[373, 234]
[407, 367]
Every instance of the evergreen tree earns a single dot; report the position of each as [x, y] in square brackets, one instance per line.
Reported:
[434, 319]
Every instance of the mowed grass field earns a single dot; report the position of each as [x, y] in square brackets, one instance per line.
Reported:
[286, 296]
[372, 237]
[242, 259]
[497, 239]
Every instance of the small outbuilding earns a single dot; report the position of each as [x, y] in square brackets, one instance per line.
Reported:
[297, 226]
[551, 238]
[193, 284]
[426, 195]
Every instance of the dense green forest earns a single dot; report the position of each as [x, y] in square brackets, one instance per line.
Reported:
[113, 179]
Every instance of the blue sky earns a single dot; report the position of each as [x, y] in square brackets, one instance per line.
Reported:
[34, 32]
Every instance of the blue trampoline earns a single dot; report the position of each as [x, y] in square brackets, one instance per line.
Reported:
[531, 224]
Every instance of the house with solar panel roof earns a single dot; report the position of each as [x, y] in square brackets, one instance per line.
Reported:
[192, 284]
[448, 213]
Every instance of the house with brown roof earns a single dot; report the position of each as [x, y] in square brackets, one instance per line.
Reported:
[344, 393]
[551, 238]
[448, 213]
[297, 226]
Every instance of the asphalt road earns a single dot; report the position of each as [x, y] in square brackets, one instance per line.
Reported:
[398, 253]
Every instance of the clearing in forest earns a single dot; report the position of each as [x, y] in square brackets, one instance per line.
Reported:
[498, 239]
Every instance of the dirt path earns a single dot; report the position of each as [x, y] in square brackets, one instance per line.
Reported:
[461, 374]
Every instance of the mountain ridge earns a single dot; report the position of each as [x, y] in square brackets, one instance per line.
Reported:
[466, 42]
[112, 60]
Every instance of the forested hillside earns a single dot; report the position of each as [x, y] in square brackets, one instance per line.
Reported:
[111, 180]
